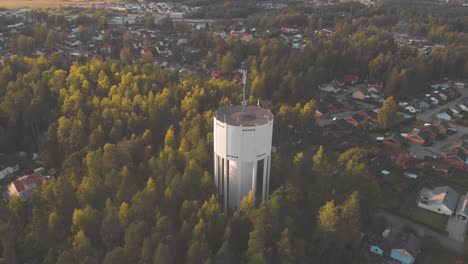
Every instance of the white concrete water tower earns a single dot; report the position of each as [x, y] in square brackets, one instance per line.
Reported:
[242, 153]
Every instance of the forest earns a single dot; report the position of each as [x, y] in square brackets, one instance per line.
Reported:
[129, 146]
[134, 183]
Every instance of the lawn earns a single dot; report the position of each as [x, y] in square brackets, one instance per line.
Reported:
[430, 219]
[45, 3]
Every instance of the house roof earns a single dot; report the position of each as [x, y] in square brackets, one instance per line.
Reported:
[371, 114]
[459, 153]
[27, 182]
[441, 195]
[441, 123]
[423, 134]
[462, 207]
[350, 78]
[442, 165]
[395, 137]
[463, 144]
[430, 129]
[394, 238]
[411, 243]
[357, 117]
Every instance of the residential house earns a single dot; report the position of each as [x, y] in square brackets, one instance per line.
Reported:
[215, 74]
[442, 126]
[443, 96]
[370, 115]
[350, 78]
[462, 208]
[431, 131]
[443, 167]
[24, 186]
[397, 245]
[463, 107]
[337, 107]
[451, 93]
[460, 144]
[442, 200]
[361, 94]
[6, 171]
[420, 137]
[338, 127]
[321, 112]
[393, 140]
[440, 166]
[411, 109]
[356, 119]
[445, 114]
[449, 114]
[458, 158]
[333, 87]
[374, 88]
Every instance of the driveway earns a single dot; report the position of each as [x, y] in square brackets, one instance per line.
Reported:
[445, 241]
[456, 229]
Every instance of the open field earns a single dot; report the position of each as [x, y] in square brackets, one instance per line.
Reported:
[46, 3]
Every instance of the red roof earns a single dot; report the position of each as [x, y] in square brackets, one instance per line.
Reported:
[27, 182]
[350, 78]
[376, 86]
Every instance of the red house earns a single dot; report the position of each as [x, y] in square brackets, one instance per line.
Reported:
[355, 119]
[24, 186]
[458, 159]
[374, 87]
[350, 78]
[393, 141]
[217, 74]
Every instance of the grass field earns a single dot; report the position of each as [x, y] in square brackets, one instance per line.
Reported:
[45, 3]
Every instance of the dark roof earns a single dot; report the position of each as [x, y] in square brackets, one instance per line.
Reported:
[359, 118]
[430, 129]
[442, 123]
[442, 165]
[419, 133]
[340, 124]
[396, 137]
[463, 144]
[248, 115]
[412, 244]
[396, 239]
[459, 153]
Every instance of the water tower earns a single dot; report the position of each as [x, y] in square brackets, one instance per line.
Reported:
[242, 153]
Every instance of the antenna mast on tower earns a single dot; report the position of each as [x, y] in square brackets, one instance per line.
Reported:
[244, 83]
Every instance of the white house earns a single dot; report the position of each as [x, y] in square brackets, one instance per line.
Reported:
[330, 87]
[442, 200]
[8, 171]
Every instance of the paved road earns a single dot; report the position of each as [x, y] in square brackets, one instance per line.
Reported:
[456, 229]
[422, 231]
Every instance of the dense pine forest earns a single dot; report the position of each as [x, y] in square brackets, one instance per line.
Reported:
[129, 146]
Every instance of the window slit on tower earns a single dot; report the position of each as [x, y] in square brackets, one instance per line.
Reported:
[222, 177]
[259, 183]
[227, 179]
